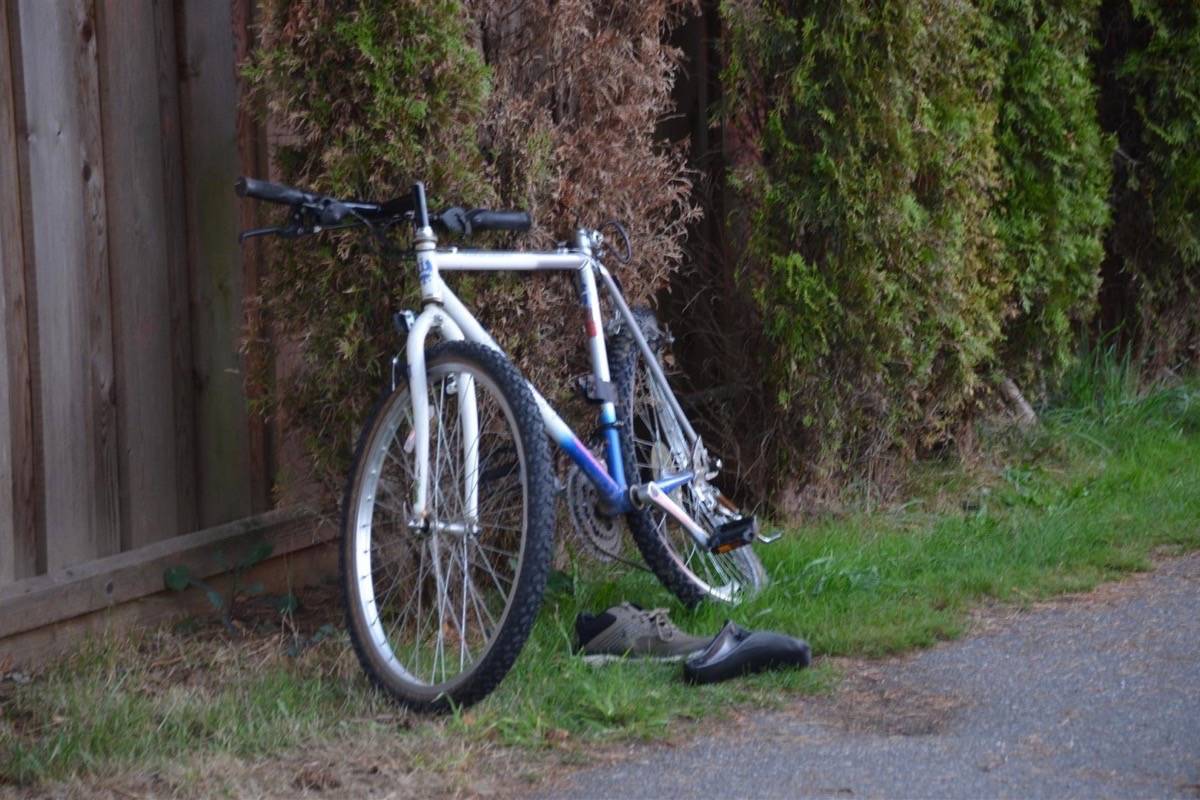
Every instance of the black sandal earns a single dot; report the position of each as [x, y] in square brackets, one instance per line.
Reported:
[735, 651]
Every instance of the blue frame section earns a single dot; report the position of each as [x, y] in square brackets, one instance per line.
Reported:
[610, 483]
[612, 441]
[673, 482]
[614, 494]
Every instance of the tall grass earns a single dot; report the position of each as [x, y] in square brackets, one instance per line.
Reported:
[1105, 387]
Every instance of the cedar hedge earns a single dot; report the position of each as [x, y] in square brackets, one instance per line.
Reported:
[937, 192]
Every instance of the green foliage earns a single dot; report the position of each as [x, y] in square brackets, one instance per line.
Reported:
[179, 578]
[412, 64]
[374, 95]
[1149, 69]
[1055, 163]
[928, 200]
[1103, 388]
[873, 253]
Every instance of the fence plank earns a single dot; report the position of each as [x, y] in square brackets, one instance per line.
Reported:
[209, 100]
[11, 252]
[175, 207]
[104, 582]
[251, 156]
[8, 544]
[303, 555]
[139, 255]
[67, 239]
[20, 554]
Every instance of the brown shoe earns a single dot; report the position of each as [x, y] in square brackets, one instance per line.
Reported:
[626, 631]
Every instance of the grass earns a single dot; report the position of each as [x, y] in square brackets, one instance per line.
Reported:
[1108, 480]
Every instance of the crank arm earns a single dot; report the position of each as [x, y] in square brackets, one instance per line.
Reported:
[652, 494]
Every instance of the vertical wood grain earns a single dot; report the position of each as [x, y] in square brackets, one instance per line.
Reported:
[252, 162]
[139, 269]
[18, 542]
[8, 545]
[209, 102]
[65, 206]
[175, 207]
[22, 546]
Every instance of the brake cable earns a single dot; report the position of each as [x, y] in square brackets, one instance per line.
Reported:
[620, 228]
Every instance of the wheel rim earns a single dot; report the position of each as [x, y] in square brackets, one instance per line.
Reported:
[435, 599]
[660, 447]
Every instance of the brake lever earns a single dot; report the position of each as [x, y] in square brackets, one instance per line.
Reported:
[254, 232]
[283, 231]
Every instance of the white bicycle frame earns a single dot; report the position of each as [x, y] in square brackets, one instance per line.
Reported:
[446, 314]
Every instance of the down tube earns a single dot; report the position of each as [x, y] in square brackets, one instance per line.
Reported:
[613, 494]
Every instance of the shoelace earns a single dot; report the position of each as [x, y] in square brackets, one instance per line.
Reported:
[663, 626]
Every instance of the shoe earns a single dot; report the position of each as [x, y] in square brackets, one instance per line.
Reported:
[626, 631]
[735, 651]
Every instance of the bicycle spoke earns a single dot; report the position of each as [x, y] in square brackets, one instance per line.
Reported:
[454, 622]
[395, 584]
[462, 620]
[402, 615]
[496, 579]
[480, 604]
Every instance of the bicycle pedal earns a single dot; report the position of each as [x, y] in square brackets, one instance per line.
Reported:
[767, 538]
[733, 535]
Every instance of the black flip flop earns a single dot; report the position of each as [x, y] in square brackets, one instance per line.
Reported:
[736, 651]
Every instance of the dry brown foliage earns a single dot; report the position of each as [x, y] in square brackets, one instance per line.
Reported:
[578, 88]
[546, 106]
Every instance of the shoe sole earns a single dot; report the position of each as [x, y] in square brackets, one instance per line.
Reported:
[600, 659]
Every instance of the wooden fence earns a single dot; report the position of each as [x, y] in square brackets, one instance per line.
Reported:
[123, 417]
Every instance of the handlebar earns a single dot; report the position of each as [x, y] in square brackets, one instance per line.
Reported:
[312, 212]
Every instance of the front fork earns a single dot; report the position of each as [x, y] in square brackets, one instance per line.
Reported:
[414, 349]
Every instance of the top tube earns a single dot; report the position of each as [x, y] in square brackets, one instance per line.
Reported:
[453, 260]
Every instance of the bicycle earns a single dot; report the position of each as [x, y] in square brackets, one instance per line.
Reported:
[448, 513]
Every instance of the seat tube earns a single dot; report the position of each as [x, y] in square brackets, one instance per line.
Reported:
[590, 300]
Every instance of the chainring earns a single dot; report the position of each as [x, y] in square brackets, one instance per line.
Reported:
[602, 534]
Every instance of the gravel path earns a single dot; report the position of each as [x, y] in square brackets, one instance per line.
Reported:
[1091, 697]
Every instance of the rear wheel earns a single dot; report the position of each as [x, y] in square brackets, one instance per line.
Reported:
[653, 444]
[438, 609]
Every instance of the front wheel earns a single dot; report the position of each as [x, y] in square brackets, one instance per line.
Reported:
[653, 444]
[438, 608]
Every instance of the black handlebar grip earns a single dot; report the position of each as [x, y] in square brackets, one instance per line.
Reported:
[272, 192]
[482, 219]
